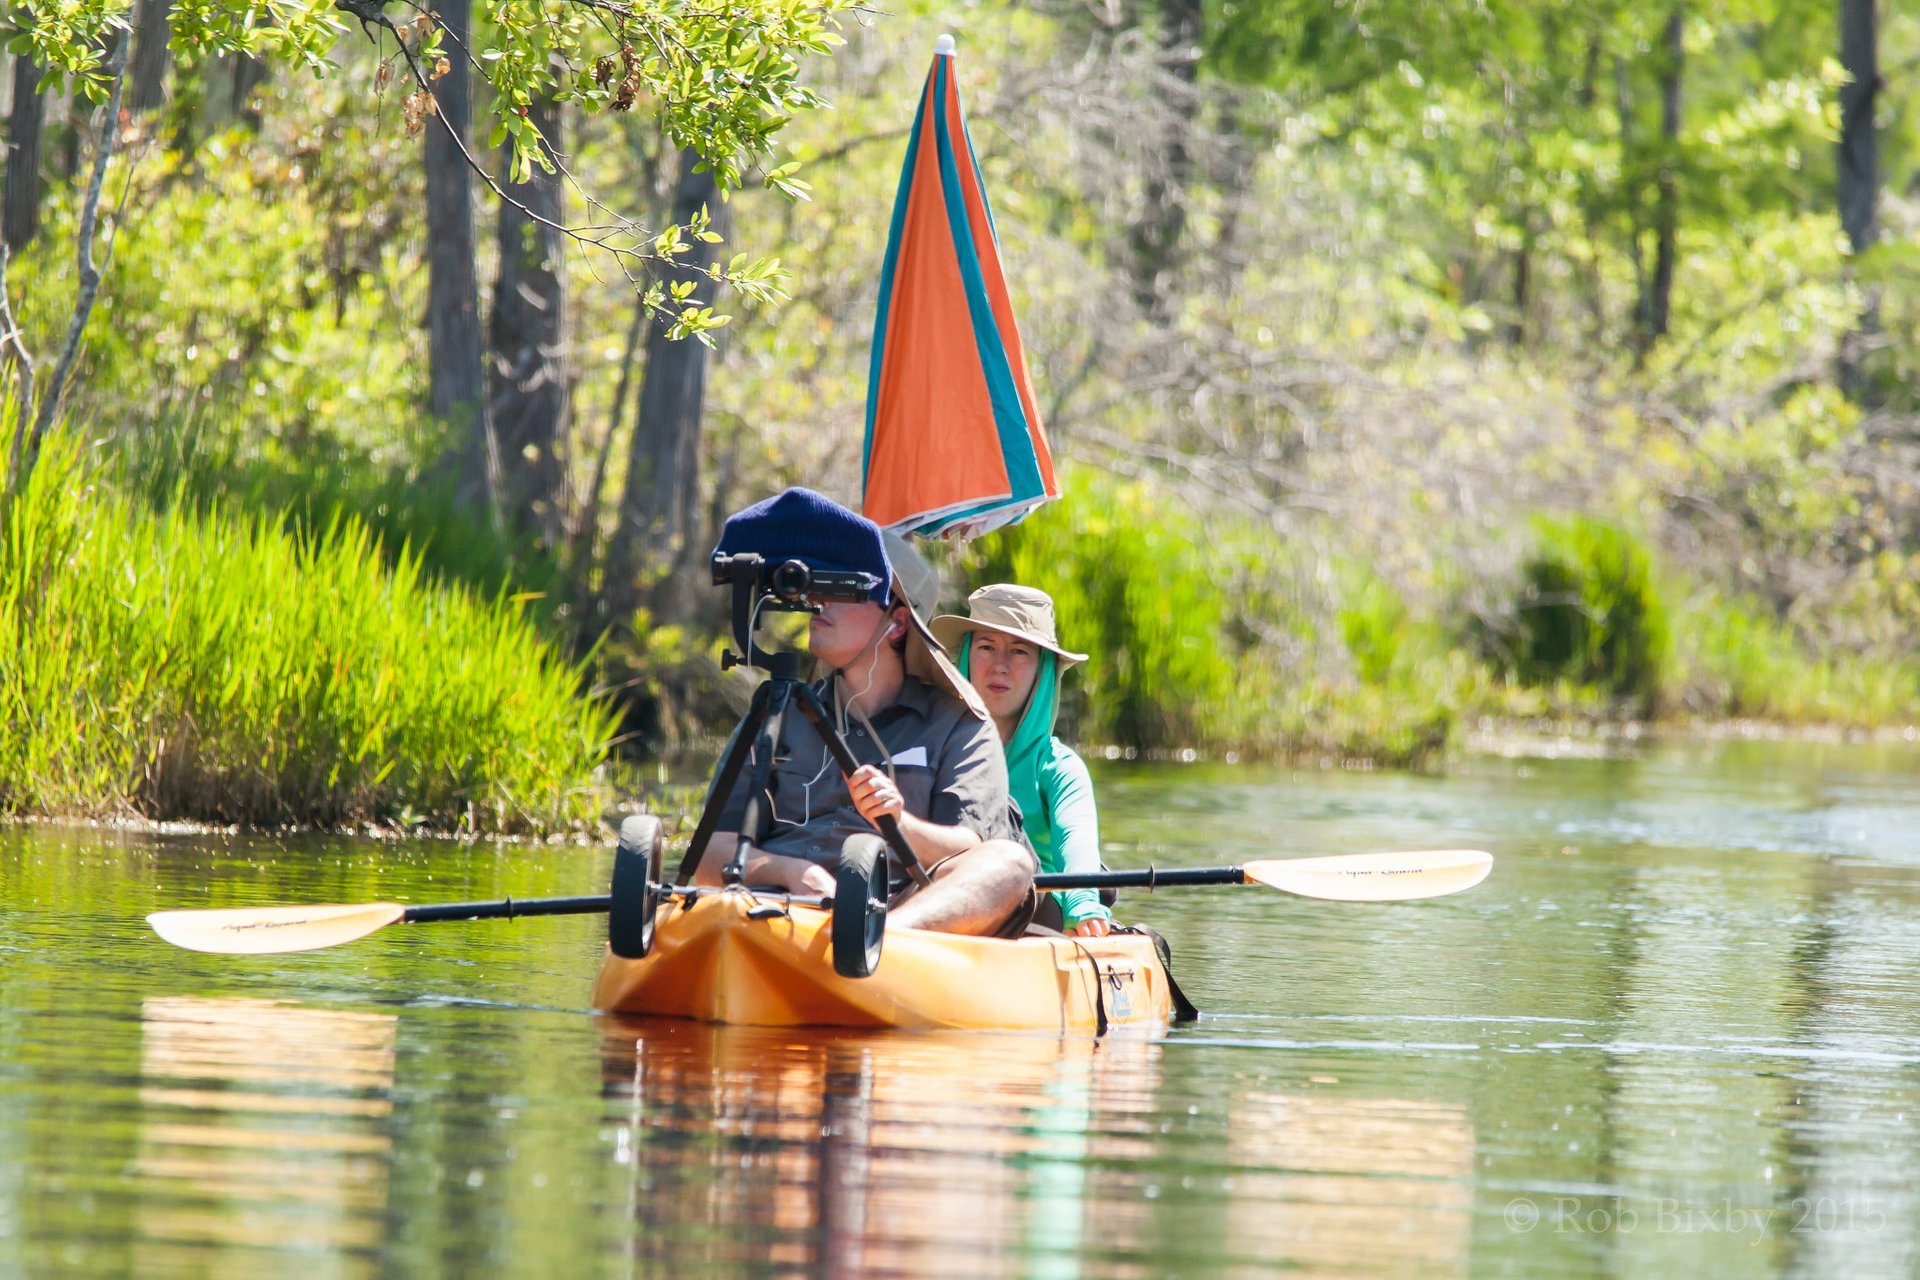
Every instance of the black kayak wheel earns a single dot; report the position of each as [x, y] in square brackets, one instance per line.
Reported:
[635, 896]
[859, 906]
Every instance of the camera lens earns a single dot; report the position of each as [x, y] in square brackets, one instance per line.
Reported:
[790, 581]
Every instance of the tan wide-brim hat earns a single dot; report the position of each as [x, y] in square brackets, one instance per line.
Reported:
[919, 583]
[1021, 612]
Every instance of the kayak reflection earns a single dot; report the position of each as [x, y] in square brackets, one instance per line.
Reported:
[981, 1154]
[858, 1152]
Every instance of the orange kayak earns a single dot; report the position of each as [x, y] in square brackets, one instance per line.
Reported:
[714, 963]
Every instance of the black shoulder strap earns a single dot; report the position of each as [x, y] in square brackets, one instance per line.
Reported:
[1183, 1008]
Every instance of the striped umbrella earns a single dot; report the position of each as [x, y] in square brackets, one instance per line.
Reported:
[954, 444]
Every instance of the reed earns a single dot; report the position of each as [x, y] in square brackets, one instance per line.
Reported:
[206, 665]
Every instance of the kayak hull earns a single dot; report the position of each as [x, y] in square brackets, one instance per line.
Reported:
[714, 963]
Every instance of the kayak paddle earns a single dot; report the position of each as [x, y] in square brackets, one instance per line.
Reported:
[1342, 877]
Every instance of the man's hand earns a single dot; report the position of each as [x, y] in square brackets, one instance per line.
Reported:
[874, 794]
[876, 797]
[1093, 927]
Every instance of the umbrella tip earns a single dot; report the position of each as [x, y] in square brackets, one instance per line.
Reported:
[943, 47]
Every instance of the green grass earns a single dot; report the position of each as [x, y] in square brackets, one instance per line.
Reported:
[205, 459]
[200, 664]
[1737, 662]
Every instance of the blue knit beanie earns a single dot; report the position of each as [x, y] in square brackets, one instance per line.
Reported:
[803, 525]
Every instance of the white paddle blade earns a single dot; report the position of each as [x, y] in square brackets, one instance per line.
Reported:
[258, 931]
[1375, 877]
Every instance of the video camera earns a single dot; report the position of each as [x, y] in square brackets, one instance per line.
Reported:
[760, 585]
[792, 584]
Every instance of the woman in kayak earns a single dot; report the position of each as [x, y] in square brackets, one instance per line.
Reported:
[1006, 646]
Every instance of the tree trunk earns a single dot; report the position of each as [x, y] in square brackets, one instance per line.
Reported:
[660, 508]
[1859, 168]
[1636, 227]
[1154, 239]
[1593, 286]
[24, 181]
[78, 111]
[1231, 177]
[587, 537]
[456, 372]
[88, 271]
[1857, 176]
[1522, 283]
[147, 77]
[1666, 215]
[248, 75]
[530, 392]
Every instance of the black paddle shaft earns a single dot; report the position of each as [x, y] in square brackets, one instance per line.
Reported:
[508, 908]
[1151, 878]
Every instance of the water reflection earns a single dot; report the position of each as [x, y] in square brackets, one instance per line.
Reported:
[1676, 1029]
[853, 1153]
[915, 1154]
[1364, 1186]
[263, 1128]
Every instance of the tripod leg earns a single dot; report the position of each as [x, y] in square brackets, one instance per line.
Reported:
[775, 710]
[746, 737]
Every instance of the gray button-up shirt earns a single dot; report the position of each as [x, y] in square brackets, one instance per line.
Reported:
[947, 761]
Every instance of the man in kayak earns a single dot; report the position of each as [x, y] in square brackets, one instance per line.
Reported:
[930, 755]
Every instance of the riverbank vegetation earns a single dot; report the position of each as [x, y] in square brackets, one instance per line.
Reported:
[214, 665]
[1443, 365]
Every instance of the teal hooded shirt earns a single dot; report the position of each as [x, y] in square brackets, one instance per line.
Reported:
[1051, 785]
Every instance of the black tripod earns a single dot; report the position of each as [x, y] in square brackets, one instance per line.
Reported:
[861, 881]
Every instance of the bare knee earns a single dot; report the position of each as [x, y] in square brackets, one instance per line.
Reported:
[1006, 864]
[1024, 863]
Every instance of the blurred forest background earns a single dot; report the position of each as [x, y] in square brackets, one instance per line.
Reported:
[1410, 365]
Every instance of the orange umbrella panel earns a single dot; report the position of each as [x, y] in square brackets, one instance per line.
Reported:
[954, 443]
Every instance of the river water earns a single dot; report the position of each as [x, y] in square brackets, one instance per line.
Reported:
[1676, 1032]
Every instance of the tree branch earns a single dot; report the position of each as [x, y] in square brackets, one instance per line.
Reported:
[89, 272]
[23, 410]
[623, 254]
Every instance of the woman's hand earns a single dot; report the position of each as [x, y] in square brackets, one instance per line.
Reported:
[1093, 927]
[874, 794]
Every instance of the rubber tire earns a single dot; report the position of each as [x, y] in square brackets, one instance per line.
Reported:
[859, 906]
[635, 896]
